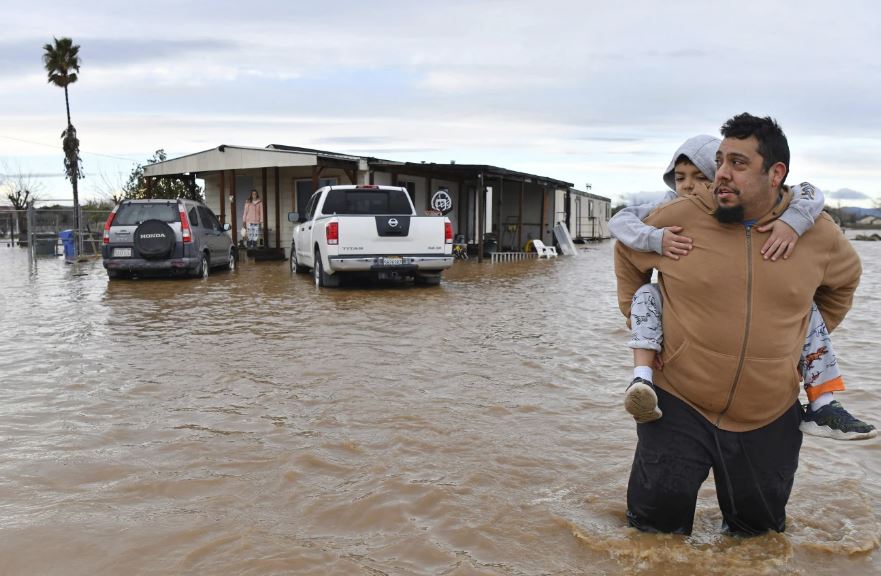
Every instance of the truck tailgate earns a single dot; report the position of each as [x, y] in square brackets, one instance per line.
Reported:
[391, 235]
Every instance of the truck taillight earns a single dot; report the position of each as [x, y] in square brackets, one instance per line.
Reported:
[109, 223]
[333, 233]
[448, 233]
[185, 233]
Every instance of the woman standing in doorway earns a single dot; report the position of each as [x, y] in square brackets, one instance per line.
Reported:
[252, 218]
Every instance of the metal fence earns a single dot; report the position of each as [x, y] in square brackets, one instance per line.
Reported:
[511, 256]
[41, 229]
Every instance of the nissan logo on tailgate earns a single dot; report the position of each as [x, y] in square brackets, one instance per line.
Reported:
[393, 222]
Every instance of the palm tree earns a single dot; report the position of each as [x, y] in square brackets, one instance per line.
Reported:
[62, 62]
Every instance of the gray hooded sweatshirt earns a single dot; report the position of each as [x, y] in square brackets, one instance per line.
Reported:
[627, 225]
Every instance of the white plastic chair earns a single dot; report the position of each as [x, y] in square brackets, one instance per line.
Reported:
[544, 251]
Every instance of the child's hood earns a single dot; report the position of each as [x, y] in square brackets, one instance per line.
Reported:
[701, 151]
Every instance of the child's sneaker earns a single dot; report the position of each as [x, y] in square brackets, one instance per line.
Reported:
[641, 401]
[833, 421]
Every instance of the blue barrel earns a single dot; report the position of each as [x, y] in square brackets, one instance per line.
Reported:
[67, 240]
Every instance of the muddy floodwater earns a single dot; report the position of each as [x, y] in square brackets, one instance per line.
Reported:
[252, 424]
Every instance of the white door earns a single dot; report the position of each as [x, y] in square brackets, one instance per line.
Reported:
[303, 241]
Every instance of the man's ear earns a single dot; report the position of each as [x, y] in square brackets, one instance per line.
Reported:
[777, 173]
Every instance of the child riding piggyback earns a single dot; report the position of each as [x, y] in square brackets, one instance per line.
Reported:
[692, 171]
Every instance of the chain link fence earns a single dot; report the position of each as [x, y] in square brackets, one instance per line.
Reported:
[41, 229]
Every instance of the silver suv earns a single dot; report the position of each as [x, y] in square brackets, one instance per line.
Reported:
[172, 236]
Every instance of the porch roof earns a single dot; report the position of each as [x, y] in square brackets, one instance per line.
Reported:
[226, 157]
[465, 172]
[590, 195]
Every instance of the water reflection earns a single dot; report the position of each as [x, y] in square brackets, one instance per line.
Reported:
[250, 423]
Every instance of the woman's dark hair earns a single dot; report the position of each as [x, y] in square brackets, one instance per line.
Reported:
[773, 146]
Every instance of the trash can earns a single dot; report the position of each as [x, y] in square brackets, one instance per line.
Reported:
[490, 244]
[67, 240]
[45, 244]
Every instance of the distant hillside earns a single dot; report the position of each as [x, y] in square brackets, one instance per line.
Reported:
[857, 213]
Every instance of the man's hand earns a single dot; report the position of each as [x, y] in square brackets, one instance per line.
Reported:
[781, 243]
[673, 245]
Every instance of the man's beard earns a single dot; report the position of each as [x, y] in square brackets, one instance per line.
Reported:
[729, 214]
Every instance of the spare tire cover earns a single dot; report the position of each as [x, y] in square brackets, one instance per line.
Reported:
[154, 239]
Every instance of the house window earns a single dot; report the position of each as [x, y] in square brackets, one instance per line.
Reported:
[304, 191]
[411, 189]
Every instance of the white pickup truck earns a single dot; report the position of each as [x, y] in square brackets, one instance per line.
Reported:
[369, 230]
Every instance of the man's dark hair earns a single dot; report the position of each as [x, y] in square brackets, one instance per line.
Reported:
[773, 146]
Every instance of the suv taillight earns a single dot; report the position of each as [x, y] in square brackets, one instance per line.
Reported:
[108, 224]
[333, 233]
[448, 233]
[185, 232]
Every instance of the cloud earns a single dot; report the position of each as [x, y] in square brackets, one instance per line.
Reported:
[848, 194]
[634, 198]
[25, 54]
[590, 91]
[133, 51]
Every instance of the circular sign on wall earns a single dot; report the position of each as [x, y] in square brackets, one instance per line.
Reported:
[442, 201]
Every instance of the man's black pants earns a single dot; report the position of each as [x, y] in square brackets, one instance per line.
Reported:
[753, 470]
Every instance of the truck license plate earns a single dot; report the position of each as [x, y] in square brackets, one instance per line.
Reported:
[392, 261]
[122, 252]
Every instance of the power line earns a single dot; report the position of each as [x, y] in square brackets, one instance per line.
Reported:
[37, 175]
[56, 147]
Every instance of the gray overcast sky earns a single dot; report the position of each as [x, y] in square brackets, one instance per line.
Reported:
[583, 91]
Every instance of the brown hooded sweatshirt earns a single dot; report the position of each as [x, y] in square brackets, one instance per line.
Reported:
[734, 323]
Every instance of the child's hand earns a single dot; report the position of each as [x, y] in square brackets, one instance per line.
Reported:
[673, 245]
[782, 241]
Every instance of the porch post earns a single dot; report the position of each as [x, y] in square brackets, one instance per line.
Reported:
[544, 209]
[567, 198]
[223, 200]
[277, 211]
[520, 215]
[265, 211]
[430, 185]
[480, 208]
[462, 208]
[232, 207]
[498, 221]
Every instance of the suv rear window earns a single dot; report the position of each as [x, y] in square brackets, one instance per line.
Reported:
[361, 201]
[135, 213]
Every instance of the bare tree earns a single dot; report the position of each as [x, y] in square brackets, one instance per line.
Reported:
[110, 187]
[20, 189]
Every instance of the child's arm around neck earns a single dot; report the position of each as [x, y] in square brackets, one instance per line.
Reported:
[627, 227]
